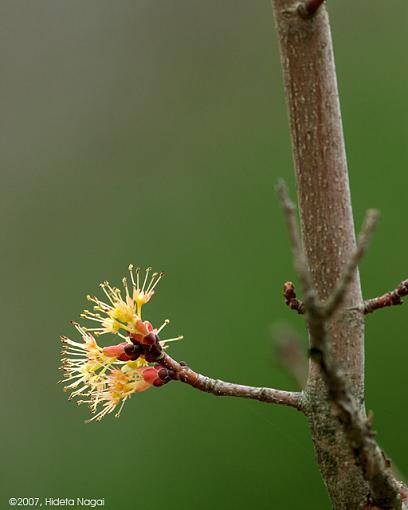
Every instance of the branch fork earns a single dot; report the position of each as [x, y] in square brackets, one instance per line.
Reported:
[385, 490]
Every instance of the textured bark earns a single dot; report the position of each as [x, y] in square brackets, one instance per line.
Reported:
[327, 230]
[221, 388]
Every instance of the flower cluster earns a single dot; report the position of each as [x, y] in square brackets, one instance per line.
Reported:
[105, 377]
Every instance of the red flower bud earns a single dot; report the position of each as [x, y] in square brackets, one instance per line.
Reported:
[142, 327]
[135, 338]
[157, 375]
[124, 351]
[150, 339]
[150, 374]
[116, 351]
[148, 325]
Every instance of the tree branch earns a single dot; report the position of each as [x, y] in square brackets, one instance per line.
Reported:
[337, 296]
[384, 489]
[336, 373]
[390, 298]
[226, 389]
[298, 254]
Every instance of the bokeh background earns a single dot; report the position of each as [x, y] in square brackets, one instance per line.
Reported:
[153, 132]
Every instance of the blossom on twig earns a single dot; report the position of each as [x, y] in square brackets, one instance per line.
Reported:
[105, 377]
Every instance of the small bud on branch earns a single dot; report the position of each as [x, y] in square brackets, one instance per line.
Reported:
[290, 298]
[391, 298]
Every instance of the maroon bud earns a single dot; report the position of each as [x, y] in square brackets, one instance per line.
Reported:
[139, 349]
[134, 351]
[163, 373]
[129, 349]
[159, 382]
[150, 339]
[153, 352]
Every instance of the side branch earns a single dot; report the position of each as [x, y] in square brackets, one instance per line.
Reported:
[226, 389]
[296, 243]
[334, 301]
[391, 298]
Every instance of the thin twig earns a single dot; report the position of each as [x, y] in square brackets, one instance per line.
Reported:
[222, 388]
[296, 243]
[390, 298]
[336, 298]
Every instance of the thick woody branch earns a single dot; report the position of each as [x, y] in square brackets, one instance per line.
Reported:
[336, 298]
[336, 377]
[385, 491]
[375, 468]
[221, 388]
[391, 298]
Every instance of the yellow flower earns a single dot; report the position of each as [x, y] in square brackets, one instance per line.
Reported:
[83, 363]
[89, 372]
[105, 377]
[120, 385]
[122, 313]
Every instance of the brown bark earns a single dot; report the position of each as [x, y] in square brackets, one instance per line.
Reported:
[391, 298]
[327, 231]
[221, 388]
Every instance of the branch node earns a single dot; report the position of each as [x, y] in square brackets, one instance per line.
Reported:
[357, 428]
[336, 299]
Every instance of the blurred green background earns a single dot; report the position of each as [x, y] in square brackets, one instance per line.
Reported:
[153, 132]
